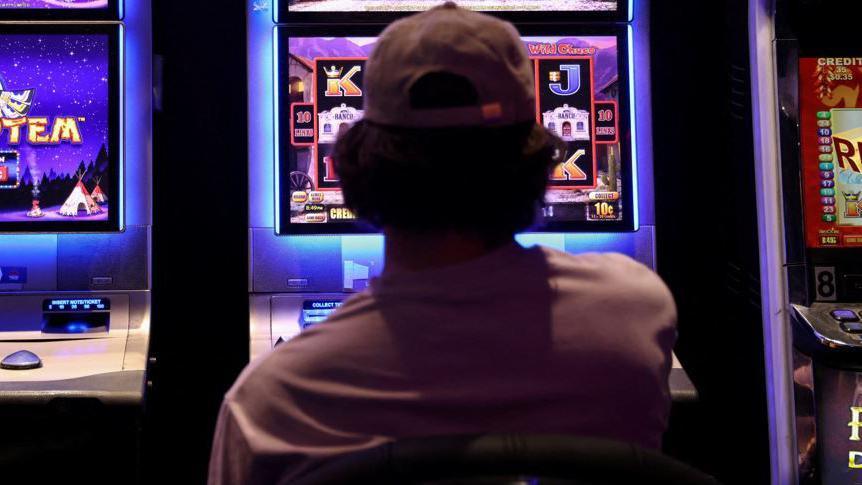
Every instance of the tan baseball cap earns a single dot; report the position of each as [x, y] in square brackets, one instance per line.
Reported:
[485, 50]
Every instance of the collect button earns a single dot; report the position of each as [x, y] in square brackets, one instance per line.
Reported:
[845, 315]
[852, 327]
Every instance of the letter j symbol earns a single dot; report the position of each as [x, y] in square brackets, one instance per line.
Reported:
[573, 72]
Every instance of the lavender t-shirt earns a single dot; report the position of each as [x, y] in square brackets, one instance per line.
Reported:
[520, 340]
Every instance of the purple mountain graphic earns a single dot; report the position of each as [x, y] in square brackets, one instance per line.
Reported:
[575, 42]
[312, 47]
[605, 68]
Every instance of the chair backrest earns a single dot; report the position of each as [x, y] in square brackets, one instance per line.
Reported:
[506, 458]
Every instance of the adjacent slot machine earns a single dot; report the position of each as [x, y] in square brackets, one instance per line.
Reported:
[810, 180]
[309, 252]
[75, 136]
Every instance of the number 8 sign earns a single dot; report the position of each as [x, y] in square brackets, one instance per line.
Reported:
[825, 284]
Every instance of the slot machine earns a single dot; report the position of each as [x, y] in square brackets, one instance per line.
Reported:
[306, 58]
[808, 123]
[75, 111]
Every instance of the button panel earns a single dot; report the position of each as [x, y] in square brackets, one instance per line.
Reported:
[851, 327]
[829, 325]
[844, 315]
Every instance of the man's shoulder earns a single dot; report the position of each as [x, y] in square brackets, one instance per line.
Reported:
[606, 263]
[613, 276]
[336, 342]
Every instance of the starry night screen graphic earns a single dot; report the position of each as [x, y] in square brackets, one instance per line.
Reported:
[56, 4]
[55, 128]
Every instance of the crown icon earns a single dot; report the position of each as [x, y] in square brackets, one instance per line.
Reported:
[333, 72]
[852, 196]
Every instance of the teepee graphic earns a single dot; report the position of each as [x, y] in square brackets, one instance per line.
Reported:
[97, 194]
[80, 200]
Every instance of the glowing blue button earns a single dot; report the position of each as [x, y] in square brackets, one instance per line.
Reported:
[21, 360]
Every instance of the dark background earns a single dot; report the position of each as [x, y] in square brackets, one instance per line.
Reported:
[706, 233]
[200, 232]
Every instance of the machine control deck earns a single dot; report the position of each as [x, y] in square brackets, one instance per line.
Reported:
[830, 325]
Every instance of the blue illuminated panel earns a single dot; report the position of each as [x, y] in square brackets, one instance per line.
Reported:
[76, 315]
[317, 311]
[551, 240]
[362, 260]
[76, 304]
[72, 323]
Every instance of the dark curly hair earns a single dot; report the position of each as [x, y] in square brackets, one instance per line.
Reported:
[486, 181]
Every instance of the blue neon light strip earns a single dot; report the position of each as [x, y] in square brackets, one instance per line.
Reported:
[277, 141]
[632, 105]
[122, 137]
[136, 90]
[261, 118]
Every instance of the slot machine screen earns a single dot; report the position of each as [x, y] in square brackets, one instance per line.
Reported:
[311, 10]
[59, 9]
[59, 129]
[53, 4]
[482, 5]
[830, 114]
[582, 88]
